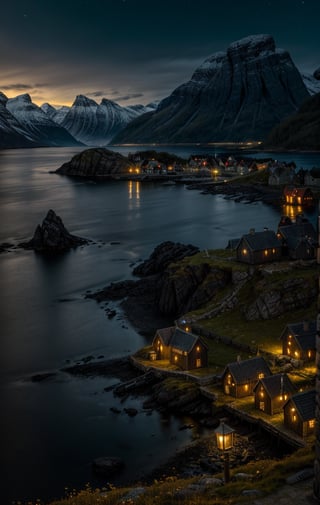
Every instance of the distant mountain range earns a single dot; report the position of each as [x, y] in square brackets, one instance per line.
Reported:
[236, 95]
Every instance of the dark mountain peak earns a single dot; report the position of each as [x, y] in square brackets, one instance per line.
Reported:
[316, 74]
[3, 98]
[25, 97]
[84, 101]
[236, 95]
[253, 46]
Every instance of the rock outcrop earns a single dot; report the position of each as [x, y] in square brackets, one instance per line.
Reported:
[52, 237]
[167, 291]
[95, 163]
[236, 95]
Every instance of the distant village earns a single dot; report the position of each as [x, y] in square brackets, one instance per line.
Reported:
[224, 166]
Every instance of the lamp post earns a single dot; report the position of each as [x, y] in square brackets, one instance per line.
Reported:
[224, 437]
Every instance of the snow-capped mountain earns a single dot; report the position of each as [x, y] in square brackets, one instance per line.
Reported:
[95, 124]
[235, 95]
[36, 124]
[56, 114]
[11, 133]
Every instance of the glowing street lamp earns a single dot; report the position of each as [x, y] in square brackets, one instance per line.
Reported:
[224, 437]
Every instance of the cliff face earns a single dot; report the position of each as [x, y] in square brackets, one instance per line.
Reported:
[236, 95]
[196, 282]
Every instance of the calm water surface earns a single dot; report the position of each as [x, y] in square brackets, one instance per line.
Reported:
[51, 431]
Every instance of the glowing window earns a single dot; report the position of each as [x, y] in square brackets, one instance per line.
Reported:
[244, 251]
[260, 375]
[312, 423]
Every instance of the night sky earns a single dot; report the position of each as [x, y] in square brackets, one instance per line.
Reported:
[137, 51]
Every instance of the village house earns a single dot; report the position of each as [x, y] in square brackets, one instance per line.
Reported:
[182, 348]
[293, 195]
[299, 413]
[240, 377]
[272, 392]
[259, 247]
[299, 238]
[299, 340]
[280, 173]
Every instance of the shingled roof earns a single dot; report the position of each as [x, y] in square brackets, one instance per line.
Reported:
[165, 334]
[277, 384]
[304, 334]
[258, 241]
[293, 234]
[305, 404]
[248, 369]
[183, 340]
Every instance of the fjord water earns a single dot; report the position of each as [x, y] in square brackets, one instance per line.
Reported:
[52, 430]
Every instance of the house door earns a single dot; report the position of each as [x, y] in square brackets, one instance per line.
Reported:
[198, 362]
[227, 389]
[261, 406]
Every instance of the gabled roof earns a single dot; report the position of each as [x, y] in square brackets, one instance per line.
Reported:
[261, 240]
[183, 340]
[304, 334]
[248, 369]
[165, 334]
[305, 230]
[276, 384]
[305, 404]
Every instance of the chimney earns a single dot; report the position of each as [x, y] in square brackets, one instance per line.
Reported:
[252, 231]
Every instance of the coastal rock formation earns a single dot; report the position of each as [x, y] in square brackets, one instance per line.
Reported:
[52, 236]
[96, 162]
[164, 254]
[300, 131]
[236, 95]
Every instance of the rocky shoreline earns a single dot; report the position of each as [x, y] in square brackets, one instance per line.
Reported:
[201, 457]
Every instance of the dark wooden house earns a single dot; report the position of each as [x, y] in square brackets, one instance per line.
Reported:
[240, 377]
[299, 238]
[293, 195]
[299, 413]
[299, 340]
[272, 392]
[259, 247]
[182, 348]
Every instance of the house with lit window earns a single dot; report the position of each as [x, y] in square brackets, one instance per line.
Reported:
[182, 348]
[240, 377]
[293, 195]
[299, 340]
[272, 392]
[299, 413]
[299, 238]
[259, 247]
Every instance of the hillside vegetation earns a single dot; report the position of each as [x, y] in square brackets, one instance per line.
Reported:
[301, 131]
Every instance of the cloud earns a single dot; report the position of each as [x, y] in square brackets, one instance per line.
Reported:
[130, 96]
[96, 93]
[16, 86]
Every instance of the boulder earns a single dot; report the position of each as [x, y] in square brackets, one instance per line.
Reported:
[107, 466]
[52, 236]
